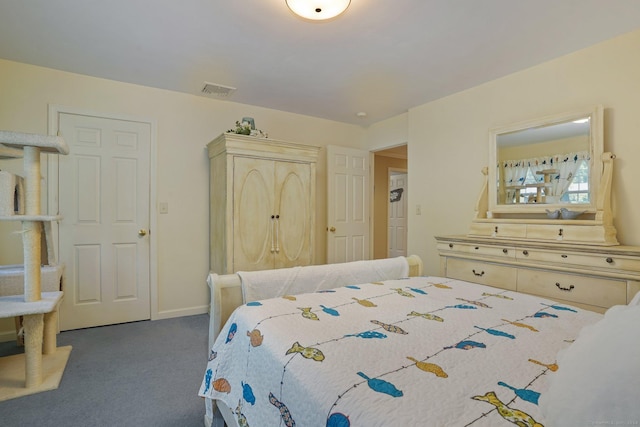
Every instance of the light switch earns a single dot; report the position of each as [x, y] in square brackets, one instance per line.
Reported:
[164, 207]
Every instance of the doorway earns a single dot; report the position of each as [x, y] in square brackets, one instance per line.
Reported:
[397, 218]
[384, 161]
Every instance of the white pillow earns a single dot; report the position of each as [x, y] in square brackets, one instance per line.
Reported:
[598, 380]
[635, 300]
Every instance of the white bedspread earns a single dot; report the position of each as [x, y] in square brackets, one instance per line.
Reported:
[420, 351]
[258, 285]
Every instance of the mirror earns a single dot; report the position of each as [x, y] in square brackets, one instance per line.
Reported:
[547, 163]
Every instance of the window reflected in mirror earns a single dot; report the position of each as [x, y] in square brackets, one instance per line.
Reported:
[546, 164]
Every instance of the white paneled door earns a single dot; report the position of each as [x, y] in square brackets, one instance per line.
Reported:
[397, 221]
[347, 204]
[104, 193]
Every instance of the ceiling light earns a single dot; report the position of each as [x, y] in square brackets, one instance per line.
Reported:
[318, 10]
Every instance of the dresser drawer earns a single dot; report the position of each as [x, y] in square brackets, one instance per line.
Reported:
[566, 233]
[482, 250]
[546, 232]
[498, 230]
[589, 290]
[482, 272]
[593, 261]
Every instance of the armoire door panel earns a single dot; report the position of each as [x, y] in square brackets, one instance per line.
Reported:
[253, 207]
[293, 214]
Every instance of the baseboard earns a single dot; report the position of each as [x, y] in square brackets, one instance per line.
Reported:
[192, 311]
[10, 335]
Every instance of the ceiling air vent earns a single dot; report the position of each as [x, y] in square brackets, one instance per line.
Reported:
[216, 90]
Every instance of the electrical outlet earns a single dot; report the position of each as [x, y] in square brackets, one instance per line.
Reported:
[164, 207]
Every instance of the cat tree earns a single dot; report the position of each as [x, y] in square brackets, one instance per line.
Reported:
[41, 366]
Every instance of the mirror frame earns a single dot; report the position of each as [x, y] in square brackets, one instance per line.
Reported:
[596, 150]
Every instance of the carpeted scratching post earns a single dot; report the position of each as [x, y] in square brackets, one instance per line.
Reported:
[39, 310]
[31, 230]
[33, 326]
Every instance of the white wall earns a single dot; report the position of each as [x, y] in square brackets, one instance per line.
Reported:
[448, 138]
[185, 124]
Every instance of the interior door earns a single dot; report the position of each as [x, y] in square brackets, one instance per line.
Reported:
[397, 221]
[103, 236]
[347, 204]
[253, 225]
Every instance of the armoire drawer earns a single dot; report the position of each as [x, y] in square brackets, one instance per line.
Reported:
[482, 272]
[569, 258]
[589, 290]
[481, 250]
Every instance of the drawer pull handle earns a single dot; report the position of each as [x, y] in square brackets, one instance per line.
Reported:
[609, 260]
[476, 248]
[565, 289]
[478, 274]
[450, 245]
[560, 232]
[525, 252]
[564, 255]
[504, 251]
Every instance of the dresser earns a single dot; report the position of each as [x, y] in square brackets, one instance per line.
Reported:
[558, 242]
[591, 277]
[262, 203]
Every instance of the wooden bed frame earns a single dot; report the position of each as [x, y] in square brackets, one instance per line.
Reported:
[226, 296]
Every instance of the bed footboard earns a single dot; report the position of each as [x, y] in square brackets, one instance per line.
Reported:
[226, 295]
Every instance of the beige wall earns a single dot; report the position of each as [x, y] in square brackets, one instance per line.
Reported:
[448, 146]
[185, 124]
[448, 138]
[388, 133]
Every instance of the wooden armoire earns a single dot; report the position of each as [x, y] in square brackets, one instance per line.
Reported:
[262, 203]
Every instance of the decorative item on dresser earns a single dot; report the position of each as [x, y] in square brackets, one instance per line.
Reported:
[548, 248]
[262, 196]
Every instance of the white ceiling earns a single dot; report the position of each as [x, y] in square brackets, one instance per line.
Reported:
[381, 57]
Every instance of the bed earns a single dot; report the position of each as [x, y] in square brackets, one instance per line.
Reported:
[406, 350]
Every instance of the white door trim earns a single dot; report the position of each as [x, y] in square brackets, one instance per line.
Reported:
[54, 111]
[372, 200]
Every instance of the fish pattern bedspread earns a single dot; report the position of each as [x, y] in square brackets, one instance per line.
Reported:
[418, 351]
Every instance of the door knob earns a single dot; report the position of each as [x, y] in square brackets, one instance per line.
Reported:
[332, 229]
[142, 232]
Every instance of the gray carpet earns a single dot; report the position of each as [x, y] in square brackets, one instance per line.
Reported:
[134, 374]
